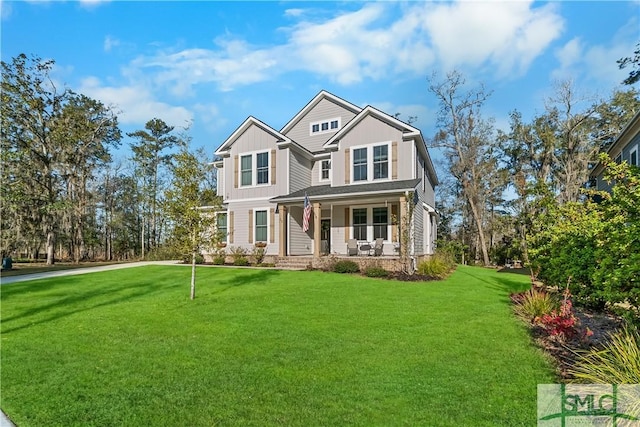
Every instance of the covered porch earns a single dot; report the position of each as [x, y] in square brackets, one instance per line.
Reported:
[348, 221]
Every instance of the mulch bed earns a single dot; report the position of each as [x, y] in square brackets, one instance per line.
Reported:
[565, 351]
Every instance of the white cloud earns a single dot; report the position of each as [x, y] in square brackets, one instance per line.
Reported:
[378, 41]
[597, 62]
[507, 36]
[134, 104]
[110, 43]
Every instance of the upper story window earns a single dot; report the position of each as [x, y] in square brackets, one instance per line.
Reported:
[371, 163]
[633, 156]
[254, 169]
[360, 164]
[325, 170]
[323, 126]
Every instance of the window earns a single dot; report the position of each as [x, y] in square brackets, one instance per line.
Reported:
[254, 169]
[261, 226]
[633, 156]
[619, 159]
[325, 169]
[370, 163]
[221, 226]
[381, 162]
[380, 220]
[323, 126]
[246, 170]
[360, 164]
[360, 224]
[262, 168]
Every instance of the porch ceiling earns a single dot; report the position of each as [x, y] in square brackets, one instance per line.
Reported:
[325, 192]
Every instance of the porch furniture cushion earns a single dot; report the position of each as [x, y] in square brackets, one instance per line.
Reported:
[352, 247]
[365, 248]
[377, 247]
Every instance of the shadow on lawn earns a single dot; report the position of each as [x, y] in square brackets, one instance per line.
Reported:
[501, 282]
[242, 278]
[88, 298]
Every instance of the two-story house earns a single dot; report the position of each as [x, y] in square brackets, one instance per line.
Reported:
[356, 167]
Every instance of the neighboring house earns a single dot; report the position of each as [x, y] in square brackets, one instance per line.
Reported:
[354, 164]
[626, 147]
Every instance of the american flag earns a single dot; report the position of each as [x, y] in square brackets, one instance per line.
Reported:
[307, 213]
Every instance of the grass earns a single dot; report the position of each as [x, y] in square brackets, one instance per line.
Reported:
[265, 347]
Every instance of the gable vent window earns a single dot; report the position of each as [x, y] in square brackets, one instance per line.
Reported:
[324, 126]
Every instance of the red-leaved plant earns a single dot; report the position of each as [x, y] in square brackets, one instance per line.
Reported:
[561, 322]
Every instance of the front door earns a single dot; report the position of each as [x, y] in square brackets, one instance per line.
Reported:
[325, 235]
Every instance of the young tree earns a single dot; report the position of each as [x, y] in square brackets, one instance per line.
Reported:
[191, 225]
[467, 142]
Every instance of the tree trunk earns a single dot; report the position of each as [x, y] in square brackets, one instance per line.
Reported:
[193, 273]
[483, 243]
[51, 241]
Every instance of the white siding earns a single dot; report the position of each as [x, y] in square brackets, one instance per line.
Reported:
[300, 243]
[241, 224]
[299, 172]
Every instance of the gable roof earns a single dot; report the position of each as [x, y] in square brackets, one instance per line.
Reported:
[408, 132]
[323, 94]
[250, 121]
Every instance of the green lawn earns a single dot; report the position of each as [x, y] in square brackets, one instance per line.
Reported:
[266, 347]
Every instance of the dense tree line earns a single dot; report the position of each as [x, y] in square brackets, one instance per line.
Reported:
[491, 199]
[63, 196]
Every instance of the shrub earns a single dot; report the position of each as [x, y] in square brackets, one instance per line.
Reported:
[561, 322]
[346, 267]
[239, 255]
[617, 363]
[534, 304]
[438, 266]
[163, 253]
[375, 271]
[218, 260]
[258, 254]
[241, 262]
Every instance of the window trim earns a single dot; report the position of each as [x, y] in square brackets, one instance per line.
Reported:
[370, 166]
[255, 225]
[226, 214]
[254, 168]
[369, 224]
[328, 179]
[634, 150]
[322, 123]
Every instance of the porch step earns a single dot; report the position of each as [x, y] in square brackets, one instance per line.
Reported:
[293, 263]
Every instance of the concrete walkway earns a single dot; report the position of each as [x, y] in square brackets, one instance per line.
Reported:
[73, 272]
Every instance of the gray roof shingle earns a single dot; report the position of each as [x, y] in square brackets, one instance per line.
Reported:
[327, 191]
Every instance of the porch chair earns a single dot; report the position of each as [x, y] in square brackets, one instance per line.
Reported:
[377, 247]
[352, 247]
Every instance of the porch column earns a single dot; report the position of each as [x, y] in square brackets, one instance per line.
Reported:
[282, 234]
[401, 223]
[317, 216]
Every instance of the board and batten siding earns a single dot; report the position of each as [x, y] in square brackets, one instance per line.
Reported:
[371, 131]
[300, 243]
[299, 172]
[255, 139]
[324, 110]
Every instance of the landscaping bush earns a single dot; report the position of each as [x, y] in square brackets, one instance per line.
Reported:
[375, 271]
[346, 267]
[617, 363]
[218, 260]
[534, 304]
[239, 256]
[438, 266]
[258, 254]
[164, 253]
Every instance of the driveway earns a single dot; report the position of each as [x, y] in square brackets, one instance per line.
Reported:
[73, 272]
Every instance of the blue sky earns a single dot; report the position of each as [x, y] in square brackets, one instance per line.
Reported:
[215, 63]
